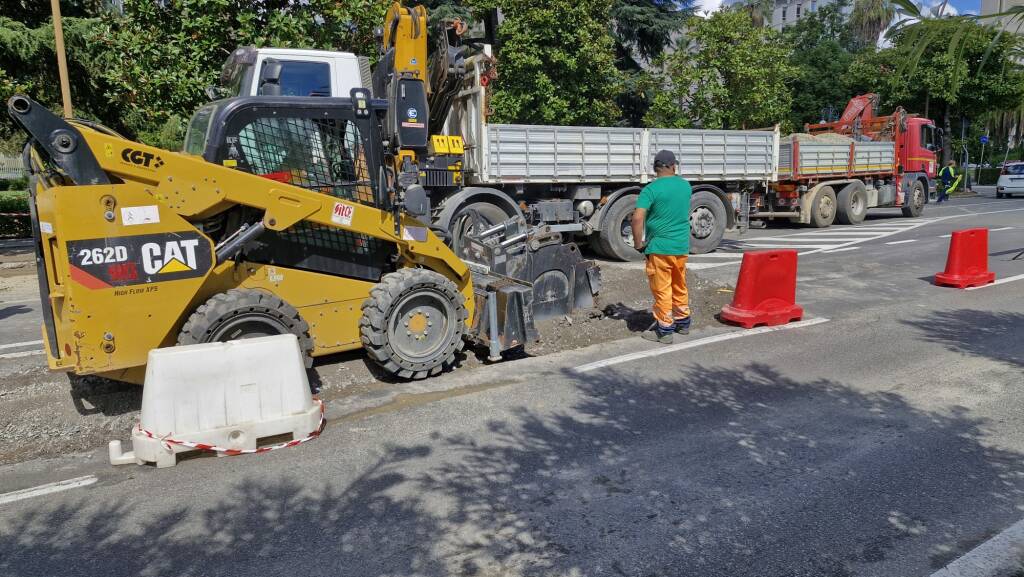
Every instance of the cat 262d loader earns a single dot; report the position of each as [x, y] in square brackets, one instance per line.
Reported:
[295, 225]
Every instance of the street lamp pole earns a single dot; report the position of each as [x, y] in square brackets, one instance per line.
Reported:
[62, 63]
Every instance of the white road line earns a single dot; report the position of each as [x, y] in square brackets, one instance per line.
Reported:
[22, 354]
[24, 344]
[998, 281]
[1000, 555]
[999, 229]
[902, 241]
[945, 236]
[47, 489]
[717, 255]
[705, 265]
[815, 247]
[693, 344]
[843, 249]
[841, 239]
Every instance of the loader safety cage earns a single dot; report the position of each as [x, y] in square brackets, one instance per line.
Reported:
[313, 143]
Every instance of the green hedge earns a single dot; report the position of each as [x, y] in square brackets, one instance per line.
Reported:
[14, 184]
[987, 176]
[14, 220]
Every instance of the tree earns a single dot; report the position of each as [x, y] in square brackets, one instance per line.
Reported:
[870, 18]
[642, 30]
[732, 75]
[823, 47]
[556, 64]
[159, 57]
[972, 77]
[28, 65]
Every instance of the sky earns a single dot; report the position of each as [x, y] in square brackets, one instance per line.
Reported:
[960, 6]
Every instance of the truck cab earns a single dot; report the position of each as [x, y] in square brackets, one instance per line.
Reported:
[298, 72]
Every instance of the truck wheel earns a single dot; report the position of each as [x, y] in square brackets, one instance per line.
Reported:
[915, 202]
[853, 205]
[245, 314]
[462, 222]
[707, 222]
[413, 322]
[616, 234]
[823, 210]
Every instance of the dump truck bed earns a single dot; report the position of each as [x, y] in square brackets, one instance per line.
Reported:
[809, 159]
[519, 153]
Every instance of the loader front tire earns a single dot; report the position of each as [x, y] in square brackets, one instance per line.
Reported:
[245, 314]
[413, 323]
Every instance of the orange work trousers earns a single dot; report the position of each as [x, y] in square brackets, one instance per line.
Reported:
[667, 277]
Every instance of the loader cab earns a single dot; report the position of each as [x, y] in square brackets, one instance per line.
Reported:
[331, 146]
[328, 145]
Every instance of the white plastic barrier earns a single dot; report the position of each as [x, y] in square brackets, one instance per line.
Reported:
[221, 395]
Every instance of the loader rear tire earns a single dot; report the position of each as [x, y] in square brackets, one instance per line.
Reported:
[245, 314]
[413, 323]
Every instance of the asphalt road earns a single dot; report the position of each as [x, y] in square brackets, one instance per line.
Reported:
[886, 441]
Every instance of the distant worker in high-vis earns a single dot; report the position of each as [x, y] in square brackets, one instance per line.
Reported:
[661, 230]
[949, 181]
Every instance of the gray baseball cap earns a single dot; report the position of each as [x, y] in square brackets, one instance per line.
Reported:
[664, 158]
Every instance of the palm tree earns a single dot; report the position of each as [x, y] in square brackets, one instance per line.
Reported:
[870, 18]
[760, 11]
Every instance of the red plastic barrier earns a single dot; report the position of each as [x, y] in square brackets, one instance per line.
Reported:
[765, 291]
[967, 263]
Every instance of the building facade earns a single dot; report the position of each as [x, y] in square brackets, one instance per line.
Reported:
[787, 12]
[996, 6]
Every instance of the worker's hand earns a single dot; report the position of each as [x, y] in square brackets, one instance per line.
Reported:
[638, 244]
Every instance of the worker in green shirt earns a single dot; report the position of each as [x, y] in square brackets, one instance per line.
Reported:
[661, 230]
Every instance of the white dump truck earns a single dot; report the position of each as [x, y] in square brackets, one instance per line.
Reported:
[583, 181]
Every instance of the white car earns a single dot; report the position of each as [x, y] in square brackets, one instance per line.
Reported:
[1011, 180]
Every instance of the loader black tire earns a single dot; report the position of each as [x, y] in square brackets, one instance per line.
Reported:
[915, 201]
[242, 314]
[853, 205]
[823, 208]
[615, 235]
[403, 302]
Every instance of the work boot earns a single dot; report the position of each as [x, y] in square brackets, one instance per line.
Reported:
[656, 335]
[682, 326]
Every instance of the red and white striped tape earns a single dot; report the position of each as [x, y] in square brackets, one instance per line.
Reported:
[168, 441]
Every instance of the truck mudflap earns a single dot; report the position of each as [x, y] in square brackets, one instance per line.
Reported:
[561, 279]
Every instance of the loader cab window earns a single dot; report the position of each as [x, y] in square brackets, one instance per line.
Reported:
[299, 78]
[198, 131]
[327, 155]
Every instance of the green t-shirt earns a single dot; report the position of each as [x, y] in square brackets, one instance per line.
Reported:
[667, 201]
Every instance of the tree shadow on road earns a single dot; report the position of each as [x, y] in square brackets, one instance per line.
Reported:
[714, 471]
[995, 335]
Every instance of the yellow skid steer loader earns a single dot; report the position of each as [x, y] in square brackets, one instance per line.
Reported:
[297, 228]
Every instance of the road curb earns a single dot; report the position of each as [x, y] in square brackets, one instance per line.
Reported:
[1000, 556]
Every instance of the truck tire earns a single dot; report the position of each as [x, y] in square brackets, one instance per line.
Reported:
[915, 201]
[852, 205]
[397, 326]
[707, 222]
[823, 209]
[245, 314]
[616, 234]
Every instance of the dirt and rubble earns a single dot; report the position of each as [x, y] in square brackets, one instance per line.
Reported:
[44, 414]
